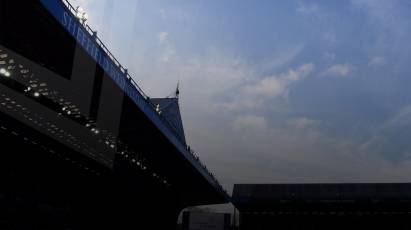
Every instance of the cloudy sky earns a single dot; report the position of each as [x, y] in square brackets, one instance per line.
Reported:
[276, 91]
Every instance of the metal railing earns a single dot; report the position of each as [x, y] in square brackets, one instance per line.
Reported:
[170, 126]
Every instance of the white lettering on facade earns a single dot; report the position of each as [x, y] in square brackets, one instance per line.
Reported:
[64, 22]
[80, 35]
[88, 43]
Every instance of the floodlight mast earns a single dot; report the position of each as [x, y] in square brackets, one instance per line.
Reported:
[81, 15]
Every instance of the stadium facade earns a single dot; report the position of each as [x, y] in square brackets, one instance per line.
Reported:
[82, 146]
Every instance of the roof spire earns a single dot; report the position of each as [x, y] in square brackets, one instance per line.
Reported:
[177, 90]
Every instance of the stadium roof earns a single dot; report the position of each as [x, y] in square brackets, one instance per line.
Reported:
[284, 196]
[170, 110]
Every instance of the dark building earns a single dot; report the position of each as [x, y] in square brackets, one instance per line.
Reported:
[82, 147]
[323, 206]
[196, 220]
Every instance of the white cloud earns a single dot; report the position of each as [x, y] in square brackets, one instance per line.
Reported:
[162, 37]
[274, 86]
[246, 122]
[270, 87]
[376, 61]
[252, 91]
[390, 139]
[402, 118]
[82, 3]
[390, 19]
[167, 53]
[338, 70]
[204, 79]
[283, 57]
[242, 103]
[163, 13]
[302, 123]
[329, 56]
[329, 37]
[307, 8]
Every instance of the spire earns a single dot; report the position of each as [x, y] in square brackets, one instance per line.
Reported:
[177, 90]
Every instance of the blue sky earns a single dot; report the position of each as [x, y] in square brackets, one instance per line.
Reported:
[276, 91]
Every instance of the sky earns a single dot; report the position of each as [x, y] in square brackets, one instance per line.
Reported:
[276, 91]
